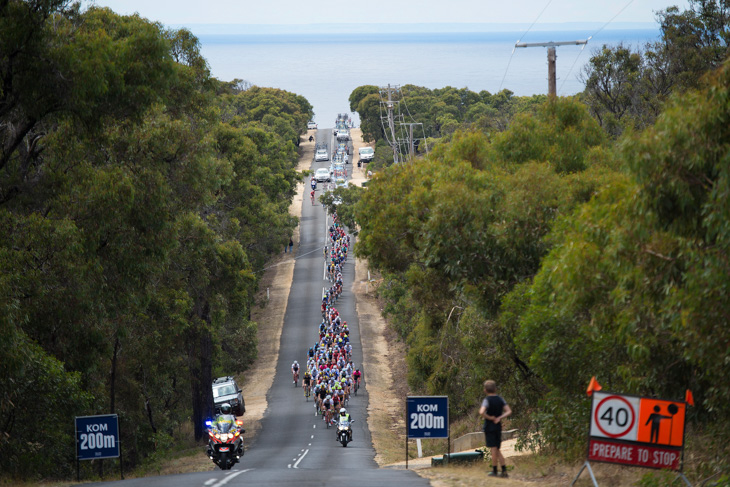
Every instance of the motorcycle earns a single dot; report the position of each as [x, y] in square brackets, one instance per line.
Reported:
[344, 432]
[225, 443]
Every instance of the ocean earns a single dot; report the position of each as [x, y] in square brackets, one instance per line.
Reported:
[326, 68]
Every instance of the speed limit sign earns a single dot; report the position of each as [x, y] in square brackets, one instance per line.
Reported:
[615, 416]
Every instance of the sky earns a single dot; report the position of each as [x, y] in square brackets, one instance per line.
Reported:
[192, 12]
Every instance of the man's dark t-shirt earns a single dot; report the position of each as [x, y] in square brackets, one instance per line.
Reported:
[495, 407]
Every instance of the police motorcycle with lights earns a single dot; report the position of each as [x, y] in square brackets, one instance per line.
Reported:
[225, 438]
[344, 427]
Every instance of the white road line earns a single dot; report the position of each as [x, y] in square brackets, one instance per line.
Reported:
[324, 270]
[231, 476]
[288, 466]
[312, 436]
[314, 426]
[211, 481]
[301, 458]
[309, 444]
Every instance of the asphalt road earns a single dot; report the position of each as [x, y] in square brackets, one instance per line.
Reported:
[294, 447]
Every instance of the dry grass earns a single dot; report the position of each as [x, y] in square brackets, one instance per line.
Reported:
[543, 470]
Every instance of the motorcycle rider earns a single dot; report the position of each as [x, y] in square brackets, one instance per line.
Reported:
[345, 416]
[224, 418]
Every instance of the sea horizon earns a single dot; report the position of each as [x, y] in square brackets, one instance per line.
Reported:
[326, 67]
[404, 28]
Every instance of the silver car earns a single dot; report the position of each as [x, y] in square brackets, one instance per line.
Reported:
[321, 155]
[322, 174]
[225, 390]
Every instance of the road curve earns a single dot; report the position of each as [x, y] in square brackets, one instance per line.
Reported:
[294, 447]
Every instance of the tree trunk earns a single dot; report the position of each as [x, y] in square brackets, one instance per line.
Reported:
[113, 377]
[200, 353]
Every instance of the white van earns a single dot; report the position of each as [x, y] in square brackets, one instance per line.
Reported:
[367, 154]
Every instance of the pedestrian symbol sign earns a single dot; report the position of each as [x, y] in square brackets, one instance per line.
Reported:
[661, 422]
[634, 430]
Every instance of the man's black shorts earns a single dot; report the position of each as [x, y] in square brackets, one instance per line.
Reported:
[493, 438]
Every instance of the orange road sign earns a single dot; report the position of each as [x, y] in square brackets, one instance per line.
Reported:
[661, 422]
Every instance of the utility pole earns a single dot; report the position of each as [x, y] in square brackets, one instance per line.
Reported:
[411, 141]
[552, 56]
[389, 108]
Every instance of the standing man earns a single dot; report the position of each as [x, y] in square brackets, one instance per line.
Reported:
[291, 245]
[493, 410]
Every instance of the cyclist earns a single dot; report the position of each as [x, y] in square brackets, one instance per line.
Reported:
[327, 407]
[311, 195]
[307, 383]
[322, 396]
[356, 377]
[295, 372]
[317, 406]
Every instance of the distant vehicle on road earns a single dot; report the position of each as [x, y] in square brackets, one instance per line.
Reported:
[311, 125]
[343, 135]
[322, 155]
[322, 174]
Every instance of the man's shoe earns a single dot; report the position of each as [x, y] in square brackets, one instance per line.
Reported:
[504, 474]
[492, 474]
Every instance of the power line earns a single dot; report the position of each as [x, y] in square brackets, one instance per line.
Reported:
[519, 40]
[613, 18]
[589, 38]
[573, 65]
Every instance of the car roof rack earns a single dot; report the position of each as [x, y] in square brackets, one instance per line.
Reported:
[221, 380]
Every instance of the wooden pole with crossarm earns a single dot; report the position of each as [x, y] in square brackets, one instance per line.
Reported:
[552, 91]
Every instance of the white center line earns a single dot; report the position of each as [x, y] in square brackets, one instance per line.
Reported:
[312, 436]
[301, 458]
[211, 481]
[231, 476]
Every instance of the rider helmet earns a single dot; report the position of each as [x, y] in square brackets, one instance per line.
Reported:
[226, 408]
[343, 411]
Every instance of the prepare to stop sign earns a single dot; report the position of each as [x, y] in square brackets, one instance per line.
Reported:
[639, 431]
[615, 416]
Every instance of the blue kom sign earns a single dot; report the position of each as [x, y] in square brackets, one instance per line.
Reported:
[97, 437]
[427, 416]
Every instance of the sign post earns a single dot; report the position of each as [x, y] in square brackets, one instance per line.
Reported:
[635, 431]
[427, 417]
[97, 437]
